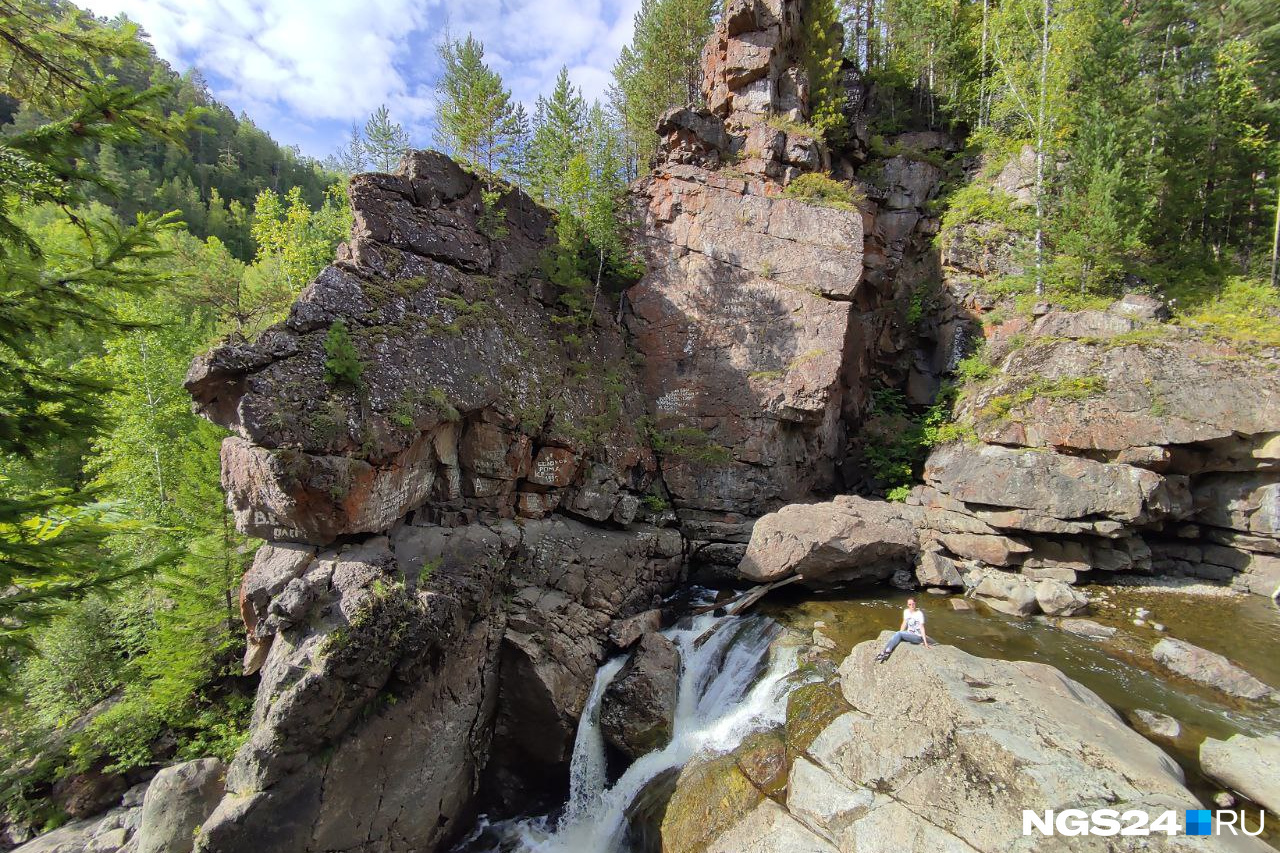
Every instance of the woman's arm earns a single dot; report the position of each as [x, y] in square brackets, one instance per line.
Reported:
[903, 626]
[924, 636]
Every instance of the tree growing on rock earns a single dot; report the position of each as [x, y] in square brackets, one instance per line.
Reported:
[385, 141]
[660, 69]
[476, 120]
[823, 56]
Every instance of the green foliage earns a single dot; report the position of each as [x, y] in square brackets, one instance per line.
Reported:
[686, 442]
[656, 503]
[293, 243]
[982, 203]
[1241, 309]
[476, 119]
[822, 57]
[439, 401]
[974, 367]
[896, 438]
[342, 365]
[791, 126]
[815, 188]
[558, 126]
[385, 141]
[493, 217]
[661, 68]
[1065, 388]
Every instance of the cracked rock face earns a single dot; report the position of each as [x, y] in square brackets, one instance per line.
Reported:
[751, 67]
[404, 671]
[747, 323]
[467, 399]
[1110, 443]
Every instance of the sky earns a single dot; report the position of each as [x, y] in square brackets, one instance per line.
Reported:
[305, 70]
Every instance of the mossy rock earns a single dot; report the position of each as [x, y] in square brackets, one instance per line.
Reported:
[810, 709]
[711, 796]
[763, 759]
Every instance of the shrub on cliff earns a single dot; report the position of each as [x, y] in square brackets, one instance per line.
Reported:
[343, 363]
[825, 191]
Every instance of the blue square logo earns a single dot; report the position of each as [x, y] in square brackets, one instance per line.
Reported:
[1199, 822]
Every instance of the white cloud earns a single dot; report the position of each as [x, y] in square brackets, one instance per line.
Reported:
[307, 69]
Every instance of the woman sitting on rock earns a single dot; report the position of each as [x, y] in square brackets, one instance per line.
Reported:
[912, 631]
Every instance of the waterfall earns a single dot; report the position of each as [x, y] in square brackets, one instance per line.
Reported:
[730, 685]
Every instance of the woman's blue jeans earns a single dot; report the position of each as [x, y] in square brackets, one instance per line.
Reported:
[902, 636]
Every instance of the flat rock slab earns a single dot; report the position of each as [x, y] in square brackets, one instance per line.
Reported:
[1210, 669]
[1087, 628]
[1250, 765]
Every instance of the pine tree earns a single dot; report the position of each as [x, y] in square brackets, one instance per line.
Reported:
[515, 162]
[50, 540]
[823, 56]
[384, 143]
[352, 158]
[557, 134]
[476, 119]
[661, 68]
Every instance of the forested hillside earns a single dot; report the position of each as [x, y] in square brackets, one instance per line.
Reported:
[142, 224]
[142, 221]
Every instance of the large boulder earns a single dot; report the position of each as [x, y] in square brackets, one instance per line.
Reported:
[1209, 668]
[1008, 593]
[848, 538]
[1250, 765]
[638, 709]
[460, 402]
[178, 801]
[938, 571]
[1056, 598]
[1053, 484]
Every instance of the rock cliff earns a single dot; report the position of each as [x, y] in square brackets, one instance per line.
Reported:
[406, 627]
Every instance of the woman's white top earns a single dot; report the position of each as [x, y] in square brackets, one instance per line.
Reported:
[914, 620]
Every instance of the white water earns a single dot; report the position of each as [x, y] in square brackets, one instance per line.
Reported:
[730, 686]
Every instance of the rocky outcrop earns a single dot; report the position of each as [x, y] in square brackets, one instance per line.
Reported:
[177, 803]
[638, 708]
[406, 669]
[1108, 442]
[846, 539]
[113, 831]
[745, 324]
[1210, 669]
[763, 315]
[751, 64]
[999, 737]
[414, 643]
[1250, 765]
[466, 401]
